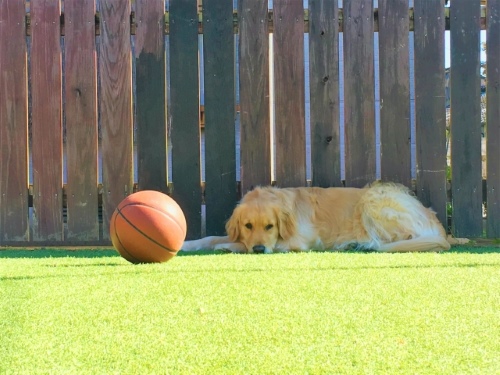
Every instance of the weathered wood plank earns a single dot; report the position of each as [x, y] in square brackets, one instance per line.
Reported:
[430, 113]
[254, 94]
[46, 84]
[465, 119]
[151, 95]
[81, 120]
[184, 112]
[115, 105]
[13, 123]
[395, 131]
[493, 119]
[324, 93]
[359, 93]
[220, 145]
[289, 93]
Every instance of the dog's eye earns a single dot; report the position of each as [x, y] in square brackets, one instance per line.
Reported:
[248, 225]
[269, 226]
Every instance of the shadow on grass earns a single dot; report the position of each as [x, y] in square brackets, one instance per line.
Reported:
[42, 253]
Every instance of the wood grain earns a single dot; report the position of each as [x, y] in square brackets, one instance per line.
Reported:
[394, 65]
[46, 85]
[184, 112]
[81, 120]
[430, 113]
[254, 94]
[466, 184]
[288, 39]
[150, 62]
[220, 145]
[359, 93]
[115, 65]
[493, 119]
[13, 124]
[324, 93]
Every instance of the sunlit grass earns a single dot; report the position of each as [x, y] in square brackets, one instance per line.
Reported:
[82, 312]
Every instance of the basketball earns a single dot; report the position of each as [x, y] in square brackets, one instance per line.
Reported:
[148, 227]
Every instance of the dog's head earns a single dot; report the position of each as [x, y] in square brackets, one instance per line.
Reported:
[259, 225]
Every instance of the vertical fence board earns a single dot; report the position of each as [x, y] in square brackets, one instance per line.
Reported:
[324, 88]
[359, 93]
[430, 113]
[47, 120]
[493, 118]
[81, 120]
[465, 119]
[116, 105]
[13, 123]
[184, 111]
[395, 131]
[151, 95]
[289, 92]
[254, 94]
[220, 145]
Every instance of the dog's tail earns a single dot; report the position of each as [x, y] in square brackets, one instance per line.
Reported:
[429, 243]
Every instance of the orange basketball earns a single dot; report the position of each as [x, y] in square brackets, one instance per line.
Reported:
[148, 227]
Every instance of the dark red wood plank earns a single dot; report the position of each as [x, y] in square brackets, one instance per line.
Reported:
[151, 95]
[359, 93]
[430, 113]
[46, 96]
[466, 179]
[254, 94]
[493, 118]
[220, 145]
[324, 92]
[81, 120]
[184, 112]
[394, 65]
[289, 93]
[115, 64]
[13, 123]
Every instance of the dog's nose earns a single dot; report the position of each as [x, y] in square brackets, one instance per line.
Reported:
[259, 249]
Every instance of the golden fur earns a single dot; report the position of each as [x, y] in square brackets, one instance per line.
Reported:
[383, 217]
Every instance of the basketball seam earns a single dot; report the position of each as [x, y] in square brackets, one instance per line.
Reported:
[121, 244]
[140, 231]
[153, 207]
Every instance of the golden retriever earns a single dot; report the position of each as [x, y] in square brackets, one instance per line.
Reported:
[383, 217]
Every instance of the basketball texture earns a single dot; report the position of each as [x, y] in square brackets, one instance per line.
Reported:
[148, 227]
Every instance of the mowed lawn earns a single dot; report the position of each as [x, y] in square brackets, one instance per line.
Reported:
[91, 312]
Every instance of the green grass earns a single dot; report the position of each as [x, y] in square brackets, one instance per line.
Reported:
[91, 312]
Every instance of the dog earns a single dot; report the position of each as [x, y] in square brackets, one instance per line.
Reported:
[384, 217]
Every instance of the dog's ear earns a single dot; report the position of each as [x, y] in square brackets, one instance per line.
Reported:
[287, 223]
[233, 225]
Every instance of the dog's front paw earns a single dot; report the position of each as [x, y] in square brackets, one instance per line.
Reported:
[231, 248]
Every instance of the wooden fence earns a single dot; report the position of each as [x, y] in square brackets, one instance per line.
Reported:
[72, 104]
